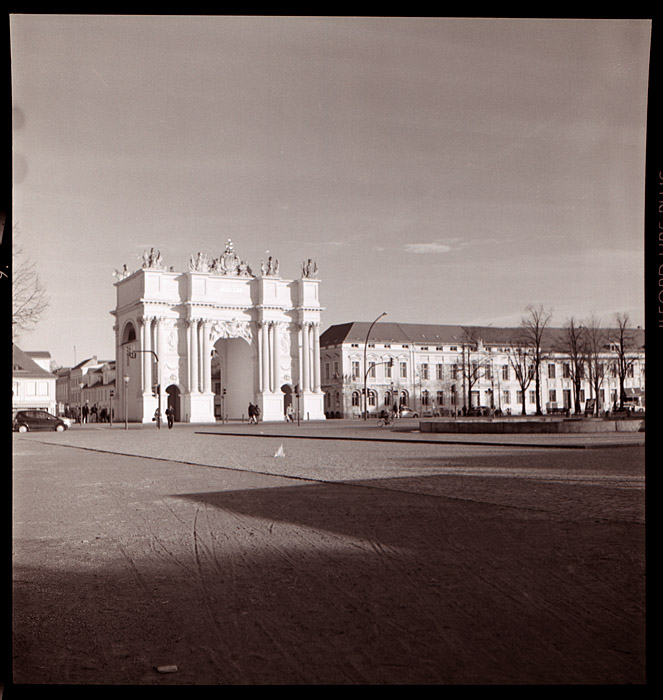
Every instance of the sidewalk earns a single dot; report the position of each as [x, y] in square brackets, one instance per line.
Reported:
[408, 431]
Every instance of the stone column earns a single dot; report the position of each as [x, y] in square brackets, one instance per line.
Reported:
[193, 355]
[207, 360]
[146, 355]
[264, 328]
[260, 354]
[316, 357]
[160, 347]
[141, 334]
[158, 335]
[306, 357]
[300, 358]
[275, 357]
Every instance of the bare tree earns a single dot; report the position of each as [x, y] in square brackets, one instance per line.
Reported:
[532, 328]
[573, 346]
[520, 359]
[473, 366]
[29, 300]
[624, 341]
[596, 339]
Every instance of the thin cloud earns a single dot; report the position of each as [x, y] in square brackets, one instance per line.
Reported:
[435, 247]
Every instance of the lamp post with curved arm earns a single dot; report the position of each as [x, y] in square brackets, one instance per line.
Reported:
[370, 328]
[126, 402]
[82, 386]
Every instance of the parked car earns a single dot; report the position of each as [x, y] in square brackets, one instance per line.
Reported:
[37, 420]
[408, 412]
[479, 411]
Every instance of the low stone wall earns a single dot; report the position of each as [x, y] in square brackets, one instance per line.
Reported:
[548, 425]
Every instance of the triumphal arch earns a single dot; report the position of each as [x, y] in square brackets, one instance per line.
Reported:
[211, 340]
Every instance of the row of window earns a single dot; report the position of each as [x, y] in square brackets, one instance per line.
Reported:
[31, 388]
[455, 371]
[451, 398]
[405, 346]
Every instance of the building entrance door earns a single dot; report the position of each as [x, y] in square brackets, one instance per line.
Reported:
[287, 398]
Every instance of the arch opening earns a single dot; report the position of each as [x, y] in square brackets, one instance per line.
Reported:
[174, 401]
[233, 377]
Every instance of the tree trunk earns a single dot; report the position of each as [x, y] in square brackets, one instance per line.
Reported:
[537, 384]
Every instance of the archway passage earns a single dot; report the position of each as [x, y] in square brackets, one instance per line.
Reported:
[233, 372]
[173, 394]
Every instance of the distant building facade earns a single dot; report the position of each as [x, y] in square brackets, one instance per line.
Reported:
[91, 382]
[33, 387]
[212, 339]
[437, 369]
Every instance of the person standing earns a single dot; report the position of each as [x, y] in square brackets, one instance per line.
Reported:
[170, 415]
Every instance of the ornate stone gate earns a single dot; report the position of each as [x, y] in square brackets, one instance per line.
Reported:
[264, 329]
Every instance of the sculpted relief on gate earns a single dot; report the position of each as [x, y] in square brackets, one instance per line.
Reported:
[232, 329]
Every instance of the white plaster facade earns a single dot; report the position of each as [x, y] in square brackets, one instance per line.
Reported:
[432, 366]
[262, 331]
[33, 387]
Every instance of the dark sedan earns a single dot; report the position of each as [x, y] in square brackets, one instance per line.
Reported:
[37, 420]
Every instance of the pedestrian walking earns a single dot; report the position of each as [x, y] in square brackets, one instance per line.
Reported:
[170, 415]
[252, 413]
[256, 411]
[85, 413]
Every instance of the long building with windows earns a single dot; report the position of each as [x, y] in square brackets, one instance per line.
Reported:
[452, 369]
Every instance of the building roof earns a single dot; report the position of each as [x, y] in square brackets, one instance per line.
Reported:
[38, 353]
[24, 366]
[433, 334]
[84, 363]
[93, 363]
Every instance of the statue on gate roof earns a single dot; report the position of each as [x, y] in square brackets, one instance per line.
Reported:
[229, 261]
[310, 269]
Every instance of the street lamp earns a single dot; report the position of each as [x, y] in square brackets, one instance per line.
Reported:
[126, 401]
[81, 385]
[297, 394]
[370, 328]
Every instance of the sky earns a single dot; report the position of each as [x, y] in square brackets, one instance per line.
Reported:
[444, 170]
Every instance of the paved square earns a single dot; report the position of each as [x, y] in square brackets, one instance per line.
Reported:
[342, 561]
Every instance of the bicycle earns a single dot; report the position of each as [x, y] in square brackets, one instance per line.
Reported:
[385, 421]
